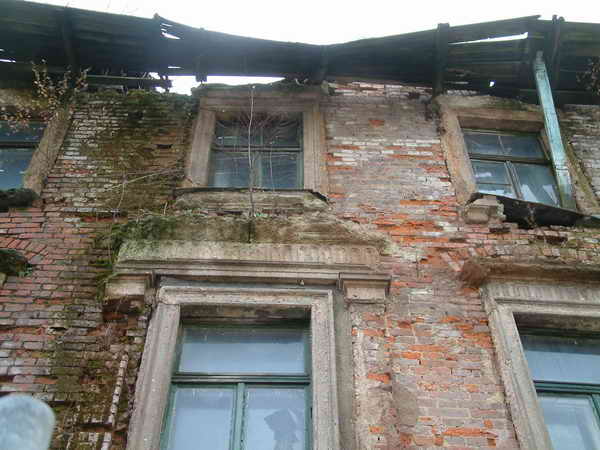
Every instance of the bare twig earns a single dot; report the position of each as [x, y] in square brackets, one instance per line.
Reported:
[250, 165]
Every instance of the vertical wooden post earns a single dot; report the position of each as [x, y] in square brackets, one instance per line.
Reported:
[557, 150]
[441, 57]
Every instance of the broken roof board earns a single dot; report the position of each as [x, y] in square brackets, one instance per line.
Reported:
[118, 44]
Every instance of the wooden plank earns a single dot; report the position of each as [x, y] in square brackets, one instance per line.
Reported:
[67, 37]
[552, 51]
[557, 150]
[441, 57]
[489, 30]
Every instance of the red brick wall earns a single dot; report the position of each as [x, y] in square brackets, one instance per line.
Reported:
[425, 365]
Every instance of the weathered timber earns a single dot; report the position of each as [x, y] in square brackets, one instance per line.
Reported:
[557, 150]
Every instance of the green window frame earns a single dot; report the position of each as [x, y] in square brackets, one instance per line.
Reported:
[582, 398]
[17, 145]
[519, 169]
[276, 151]
[240, 386]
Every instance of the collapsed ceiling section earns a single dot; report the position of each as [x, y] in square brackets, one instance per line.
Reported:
[124, 50]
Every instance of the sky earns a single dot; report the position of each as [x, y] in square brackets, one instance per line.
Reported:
[333, 21]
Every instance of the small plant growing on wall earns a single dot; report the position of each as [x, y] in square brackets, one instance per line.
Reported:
[591, 78]
[50, 94]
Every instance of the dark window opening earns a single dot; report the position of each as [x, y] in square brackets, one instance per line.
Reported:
[17, 145]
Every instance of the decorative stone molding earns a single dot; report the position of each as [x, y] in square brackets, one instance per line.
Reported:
[479, 270]
[172, 250]
[364, 288]
[126, 292]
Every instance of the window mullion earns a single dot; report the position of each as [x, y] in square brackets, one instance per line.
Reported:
[512, 174]
[238, 416]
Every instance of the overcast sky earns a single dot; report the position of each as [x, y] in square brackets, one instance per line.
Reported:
[334, 21]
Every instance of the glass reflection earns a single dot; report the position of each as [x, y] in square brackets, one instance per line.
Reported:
[562, 359]
[571, 421]
[275, 419]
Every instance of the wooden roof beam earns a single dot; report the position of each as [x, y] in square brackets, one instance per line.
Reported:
[441, 57]
[66, 29]
[552, 51]
[321, 71]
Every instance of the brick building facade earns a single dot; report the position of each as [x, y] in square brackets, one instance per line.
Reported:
[413, 293]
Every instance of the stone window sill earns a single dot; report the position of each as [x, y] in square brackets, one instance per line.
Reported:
[238, 200]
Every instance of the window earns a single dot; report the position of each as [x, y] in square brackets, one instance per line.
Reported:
[253, 380]
[274, 142]
[512, 165]
[287, 141]
[16, 149]
[566, 374]
[240, 387]
[548, 360]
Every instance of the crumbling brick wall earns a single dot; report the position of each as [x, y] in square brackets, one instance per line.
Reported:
[426, 365]
[425, 371]
[58, 340]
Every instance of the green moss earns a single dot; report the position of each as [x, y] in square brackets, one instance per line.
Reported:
[13, 263]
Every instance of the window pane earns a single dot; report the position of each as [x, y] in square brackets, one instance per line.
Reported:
[490, 172]
[522, 146]
[282, 132]
[571, 421]
[31, 133]
[483, 143]
[275, 419]
[566, 359]
[537, 184]
[13, 164]
[201, 415]
[243, 351]
[229, 169]
[279, 170]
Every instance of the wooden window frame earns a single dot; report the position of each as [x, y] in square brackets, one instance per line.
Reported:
[510, 160]
[240, 382]
[489, 113]
[259, 152]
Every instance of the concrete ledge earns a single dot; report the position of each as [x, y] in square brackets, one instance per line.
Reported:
[238, 200]
[477, 271]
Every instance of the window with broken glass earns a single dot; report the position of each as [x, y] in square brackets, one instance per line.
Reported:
[566, 374]
[240, 387]
[17, 144]
[512, 165]
[263, 150]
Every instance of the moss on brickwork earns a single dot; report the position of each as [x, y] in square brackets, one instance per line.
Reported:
[16, 198]
[137, 143]
[12, 262]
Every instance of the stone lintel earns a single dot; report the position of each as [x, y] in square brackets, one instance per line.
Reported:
[190, 251]
[364, 288]
[477, 271]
